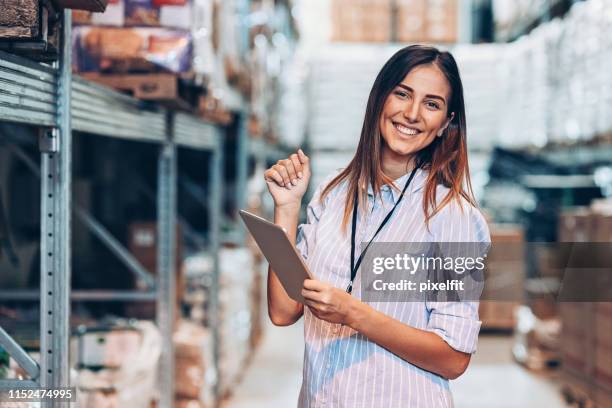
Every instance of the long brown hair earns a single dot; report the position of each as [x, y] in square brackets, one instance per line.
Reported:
[445, 158]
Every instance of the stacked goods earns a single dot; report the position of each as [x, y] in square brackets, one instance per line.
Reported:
[341, 76]
[142, 243]
[20, 19]
[124, 370]
[193, 365]
[586, 326]
[440, 21]
[198, 269]
[410, 20]
[362, 20]
[26, 19]
[31, 28]
[235, 315]
[395, 20]
[504, 279]
[153, 49]
[483, 80]
[536, 341]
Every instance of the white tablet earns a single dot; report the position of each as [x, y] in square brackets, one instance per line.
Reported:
[281, 254]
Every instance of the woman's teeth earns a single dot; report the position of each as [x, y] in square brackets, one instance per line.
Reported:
[406, 130]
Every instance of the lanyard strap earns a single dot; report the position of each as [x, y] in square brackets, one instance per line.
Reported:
[355, 267]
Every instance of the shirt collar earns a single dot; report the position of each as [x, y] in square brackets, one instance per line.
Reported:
[420, 177]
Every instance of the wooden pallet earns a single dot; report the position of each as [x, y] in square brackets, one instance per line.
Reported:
[576, 392]
[170, 89]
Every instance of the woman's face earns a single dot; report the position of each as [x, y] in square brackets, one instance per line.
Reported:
[416, 111]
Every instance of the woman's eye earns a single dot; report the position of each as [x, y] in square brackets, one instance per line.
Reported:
[401, 94]
[433, 105]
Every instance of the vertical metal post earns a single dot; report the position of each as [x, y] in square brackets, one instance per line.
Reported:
[55, 243]
[166, 244]
[214, 215]
[242, 161]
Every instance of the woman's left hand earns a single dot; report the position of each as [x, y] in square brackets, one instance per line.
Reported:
[328, 302]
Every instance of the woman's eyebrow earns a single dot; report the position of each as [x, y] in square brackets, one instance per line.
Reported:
[406, 87]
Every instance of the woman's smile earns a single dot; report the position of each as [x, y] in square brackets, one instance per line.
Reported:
[405, 129]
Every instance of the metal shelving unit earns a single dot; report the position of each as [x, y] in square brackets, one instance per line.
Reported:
[58, 103]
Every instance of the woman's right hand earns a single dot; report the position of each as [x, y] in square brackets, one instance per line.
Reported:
[288, 179]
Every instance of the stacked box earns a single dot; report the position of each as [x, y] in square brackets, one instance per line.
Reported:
[586, 345]
[505, 275]
[235, 315]
[193, 362]
[152, 35]
[20, 19]
[142, 243]
[441, 21]
[132, 384]
[361, 20]
[603, 345]
[410, 20]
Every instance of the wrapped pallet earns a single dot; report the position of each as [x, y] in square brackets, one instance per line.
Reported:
[132, 384]
[235, 314]
[193, 365]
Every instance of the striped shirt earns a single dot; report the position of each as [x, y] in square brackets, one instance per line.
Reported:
[342, 368]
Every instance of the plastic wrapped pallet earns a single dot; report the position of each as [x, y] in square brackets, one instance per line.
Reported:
[194, 362]
[131, 385]
[126, 50]
[339, 74]
[236, 282]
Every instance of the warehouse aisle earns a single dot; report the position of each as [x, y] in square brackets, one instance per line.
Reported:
[274, 377]
[508, 385]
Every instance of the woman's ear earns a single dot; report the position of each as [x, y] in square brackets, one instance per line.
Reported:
[445, 126]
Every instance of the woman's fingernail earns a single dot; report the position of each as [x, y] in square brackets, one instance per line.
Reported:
[300, 175]
[294, 182]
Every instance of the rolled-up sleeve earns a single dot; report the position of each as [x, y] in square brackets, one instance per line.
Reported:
[457, 322]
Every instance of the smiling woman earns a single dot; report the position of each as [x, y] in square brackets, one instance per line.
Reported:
[408, 182]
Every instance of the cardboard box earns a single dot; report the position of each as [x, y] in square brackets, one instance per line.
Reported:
[20, 19]
[497, 315]
[577, 337]
[361, 20]
[410, 20]
[575, 225]
[107, 348]
[441, 25]
[601, 227]
[190, 341]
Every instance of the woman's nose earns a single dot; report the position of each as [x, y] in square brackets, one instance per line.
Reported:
[411, 111]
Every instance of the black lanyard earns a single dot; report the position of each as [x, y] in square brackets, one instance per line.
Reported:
[354, 267]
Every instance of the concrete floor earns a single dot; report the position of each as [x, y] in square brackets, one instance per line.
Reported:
[493, 380]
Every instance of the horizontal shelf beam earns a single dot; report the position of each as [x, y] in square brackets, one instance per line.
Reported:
[93, 295]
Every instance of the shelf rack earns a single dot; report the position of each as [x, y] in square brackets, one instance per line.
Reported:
[51, 99]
